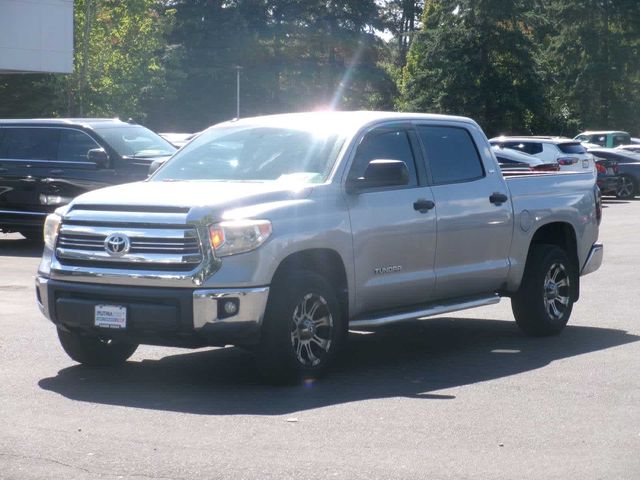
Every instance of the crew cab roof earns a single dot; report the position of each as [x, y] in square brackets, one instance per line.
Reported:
[352, 118]
[78, 122]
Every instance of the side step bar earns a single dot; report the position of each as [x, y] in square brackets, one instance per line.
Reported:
[436, 309]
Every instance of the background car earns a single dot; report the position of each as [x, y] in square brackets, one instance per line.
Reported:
[628, 169]
[633, 148]
[178, 140]
[604, 138]
[45, 163]
[570, 154]
[608, 179]
[510, 159]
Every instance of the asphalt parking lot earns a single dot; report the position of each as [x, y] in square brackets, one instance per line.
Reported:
[465, 396]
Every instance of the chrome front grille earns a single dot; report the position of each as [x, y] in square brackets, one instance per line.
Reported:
[178, 242]
[151, 246]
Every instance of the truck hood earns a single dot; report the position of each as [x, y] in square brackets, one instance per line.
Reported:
[193, 194]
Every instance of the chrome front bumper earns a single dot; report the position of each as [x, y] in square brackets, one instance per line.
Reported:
[252, 303]
[200, 313]
[594, 259]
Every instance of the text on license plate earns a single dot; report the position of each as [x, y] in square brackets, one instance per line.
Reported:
[111, 316]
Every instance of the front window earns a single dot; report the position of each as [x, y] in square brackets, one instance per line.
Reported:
[255, 153]
[136, 141]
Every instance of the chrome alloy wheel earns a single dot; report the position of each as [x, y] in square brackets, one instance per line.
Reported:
[311, 330]
[625, 188]
[556, 291]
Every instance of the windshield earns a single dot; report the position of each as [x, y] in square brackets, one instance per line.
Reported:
[136, 141]
[255, 153]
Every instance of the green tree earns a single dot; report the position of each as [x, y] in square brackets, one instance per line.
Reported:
[592, 48]
[295, 55]
[118, 65]
[477, 58]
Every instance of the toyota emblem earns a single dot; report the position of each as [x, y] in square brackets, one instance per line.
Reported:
[117, 244]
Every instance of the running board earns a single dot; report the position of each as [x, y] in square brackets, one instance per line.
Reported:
[378, 320]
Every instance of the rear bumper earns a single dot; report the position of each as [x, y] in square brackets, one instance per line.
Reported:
[594, 259]
[608, 184]
[158, 316]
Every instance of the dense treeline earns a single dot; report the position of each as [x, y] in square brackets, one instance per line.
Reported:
[516, 66]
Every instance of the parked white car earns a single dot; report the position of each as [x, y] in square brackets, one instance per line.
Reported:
[633, 148]
[570, 154]
[510, 159]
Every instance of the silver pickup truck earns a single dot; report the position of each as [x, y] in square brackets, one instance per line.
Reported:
[280, 233]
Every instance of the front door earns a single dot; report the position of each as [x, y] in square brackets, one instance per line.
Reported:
[394, 241]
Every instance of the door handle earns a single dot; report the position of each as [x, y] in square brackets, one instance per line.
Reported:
[56, 171]
[3, 170]
[423, 205]
[497, 198]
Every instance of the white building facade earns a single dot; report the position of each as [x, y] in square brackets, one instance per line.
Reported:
[36, 36]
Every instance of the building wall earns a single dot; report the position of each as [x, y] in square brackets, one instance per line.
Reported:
[36, 36]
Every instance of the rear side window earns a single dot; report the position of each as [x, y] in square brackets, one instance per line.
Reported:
[451, 154]
[621, 140]
[572, 148]
[384, 144]
[531, 148]
[74, 145]
[30, 143]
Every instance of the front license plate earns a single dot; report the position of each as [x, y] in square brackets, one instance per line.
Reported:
[111, 316]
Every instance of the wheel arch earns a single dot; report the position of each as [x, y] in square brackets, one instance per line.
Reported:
[323, 261]
[562, 235]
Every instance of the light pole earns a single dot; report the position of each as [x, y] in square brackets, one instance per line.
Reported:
[238, 68]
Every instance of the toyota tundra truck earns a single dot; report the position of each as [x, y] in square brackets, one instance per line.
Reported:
[281, 233]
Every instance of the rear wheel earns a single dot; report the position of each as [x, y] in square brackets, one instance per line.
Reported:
[95, 351]
[626, 188]
[543, 304]
[303, 328]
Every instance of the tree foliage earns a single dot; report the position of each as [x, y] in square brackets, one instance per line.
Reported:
[477, 58]
[118, 64]
[593, 49]
[516, 66]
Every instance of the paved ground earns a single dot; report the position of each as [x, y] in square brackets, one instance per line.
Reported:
[460, 397]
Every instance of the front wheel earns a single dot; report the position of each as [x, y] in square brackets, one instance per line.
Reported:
[626, 188]
[95, 351]
[542, 306]
[303, 328]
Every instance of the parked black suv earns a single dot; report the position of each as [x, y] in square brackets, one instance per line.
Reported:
[45, 163]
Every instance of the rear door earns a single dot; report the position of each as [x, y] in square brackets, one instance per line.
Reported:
[394, 240]
[24, 151]
[474, 215]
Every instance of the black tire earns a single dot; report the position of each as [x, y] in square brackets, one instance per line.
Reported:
[627, 188]
[298, 344]
[94, 351]
[542, 306]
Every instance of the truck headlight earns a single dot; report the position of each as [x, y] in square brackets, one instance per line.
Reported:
[238, 236]
[50, 231]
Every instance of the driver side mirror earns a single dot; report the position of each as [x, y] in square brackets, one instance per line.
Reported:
[155, 165]
[99, 157]
[380, 173]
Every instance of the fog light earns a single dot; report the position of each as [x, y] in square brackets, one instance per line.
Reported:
[228, 307]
